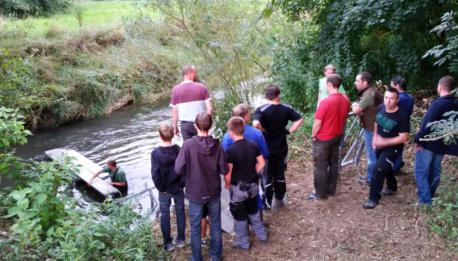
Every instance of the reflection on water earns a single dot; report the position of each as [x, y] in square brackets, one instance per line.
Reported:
[128, 136]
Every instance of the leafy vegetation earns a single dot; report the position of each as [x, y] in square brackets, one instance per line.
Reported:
[386, 38]
[46, 222]
[23, 8]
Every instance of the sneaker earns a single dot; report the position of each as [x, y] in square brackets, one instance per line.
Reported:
[313, 196]
[387, 192]
[169, 247]
[236, 245]
[364, 181]
[369, 204]
[204, 242]
[179, 243]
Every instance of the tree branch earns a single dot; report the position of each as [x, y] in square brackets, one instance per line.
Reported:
[440, 137]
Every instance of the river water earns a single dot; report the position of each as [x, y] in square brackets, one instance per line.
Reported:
[128, 136]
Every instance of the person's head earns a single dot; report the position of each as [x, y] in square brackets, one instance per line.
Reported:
[273, 92]
[111, 163]
[243, 111]
[329, 70]
[446, 85]
[363, 80]
[189, 72]
[334, 80]
[236, 126]
[203, 122]
[398, 83]
[391, 98]
[166, 132]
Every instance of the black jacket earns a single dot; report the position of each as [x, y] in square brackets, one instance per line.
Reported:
[162, 170]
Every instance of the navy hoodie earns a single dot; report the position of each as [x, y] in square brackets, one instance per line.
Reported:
[436, 112]
[202, 161]
[162, 170]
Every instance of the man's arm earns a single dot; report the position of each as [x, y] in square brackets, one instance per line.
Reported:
[316, 127]
[260, 163]
[175, 120]
[257, 125]
[228, 176]
[356, 109]
[209, 106]
[180, 162]
[93, 177]
[121, 184]
[296, 125]
[380, 142]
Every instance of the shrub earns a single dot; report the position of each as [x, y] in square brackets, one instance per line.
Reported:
[23, 8]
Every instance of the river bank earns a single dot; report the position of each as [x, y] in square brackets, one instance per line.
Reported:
[339, 228]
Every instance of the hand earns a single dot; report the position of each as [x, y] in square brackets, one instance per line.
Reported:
[227, 186]
[176, 131]
[90, 183]
[418, 147]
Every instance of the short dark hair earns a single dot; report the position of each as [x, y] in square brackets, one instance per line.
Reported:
[166, 132]
[272, 92]
[112, 162]
[240, 110]
[187, 69]
[398, 80]
[392, 90]
[335, 80]
[237, 125]
[447, 82]
[204, 121]
[366, 76]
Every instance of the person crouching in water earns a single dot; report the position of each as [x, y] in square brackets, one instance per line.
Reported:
[245, 162]
[117, 175]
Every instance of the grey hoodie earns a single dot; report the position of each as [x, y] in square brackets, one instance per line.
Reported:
[202, 161]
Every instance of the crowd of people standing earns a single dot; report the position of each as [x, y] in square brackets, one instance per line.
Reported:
[252, 155]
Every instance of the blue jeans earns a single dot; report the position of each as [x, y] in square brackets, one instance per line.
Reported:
[195, 219]
[427, 174]
[370, 153]
[165, 200]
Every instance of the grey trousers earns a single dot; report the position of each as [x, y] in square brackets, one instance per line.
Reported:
[326, 166]
[243, 207]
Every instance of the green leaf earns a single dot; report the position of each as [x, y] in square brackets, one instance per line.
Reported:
[23, 203]
[13, 211]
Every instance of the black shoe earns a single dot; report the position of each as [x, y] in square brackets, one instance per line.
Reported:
[387, 192]
[369, 204]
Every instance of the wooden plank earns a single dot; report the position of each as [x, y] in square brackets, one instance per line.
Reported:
[86, 169]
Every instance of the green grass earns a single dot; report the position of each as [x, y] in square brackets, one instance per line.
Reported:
[93, 14]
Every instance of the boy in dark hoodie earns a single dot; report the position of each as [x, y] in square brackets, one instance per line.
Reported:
[170, 185]
[202, 160]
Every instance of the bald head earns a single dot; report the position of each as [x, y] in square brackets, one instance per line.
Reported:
[189, 73]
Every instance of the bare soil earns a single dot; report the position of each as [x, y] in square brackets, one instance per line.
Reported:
[338, 228]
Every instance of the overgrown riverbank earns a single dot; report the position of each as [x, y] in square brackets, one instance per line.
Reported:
[85, 63]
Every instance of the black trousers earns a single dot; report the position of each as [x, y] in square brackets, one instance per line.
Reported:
[188, 130]
[275, 178]
[326, 166]
[384, 168]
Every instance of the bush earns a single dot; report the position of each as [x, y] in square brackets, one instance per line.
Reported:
[22, 8]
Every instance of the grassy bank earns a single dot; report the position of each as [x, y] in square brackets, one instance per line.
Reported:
[82, 64]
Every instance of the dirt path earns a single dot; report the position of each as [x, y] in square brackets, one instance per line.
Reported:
[339, 228]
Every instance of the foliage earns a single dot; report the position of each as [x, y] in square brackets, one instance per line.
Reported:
[12, 133]
[442, 217]
[446, 128]
[366, 35]
[446, 53]
[226, 41]
[23, 8]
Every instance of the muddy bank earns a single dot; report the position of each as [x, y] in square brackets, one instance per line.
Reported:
[339, 228]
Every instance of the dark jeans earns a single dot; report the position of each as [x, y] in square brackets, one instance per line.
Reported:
[188, 130]
[275, 180]
[383, 168]
[326, 166]
[195, 220]
[165, 200]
